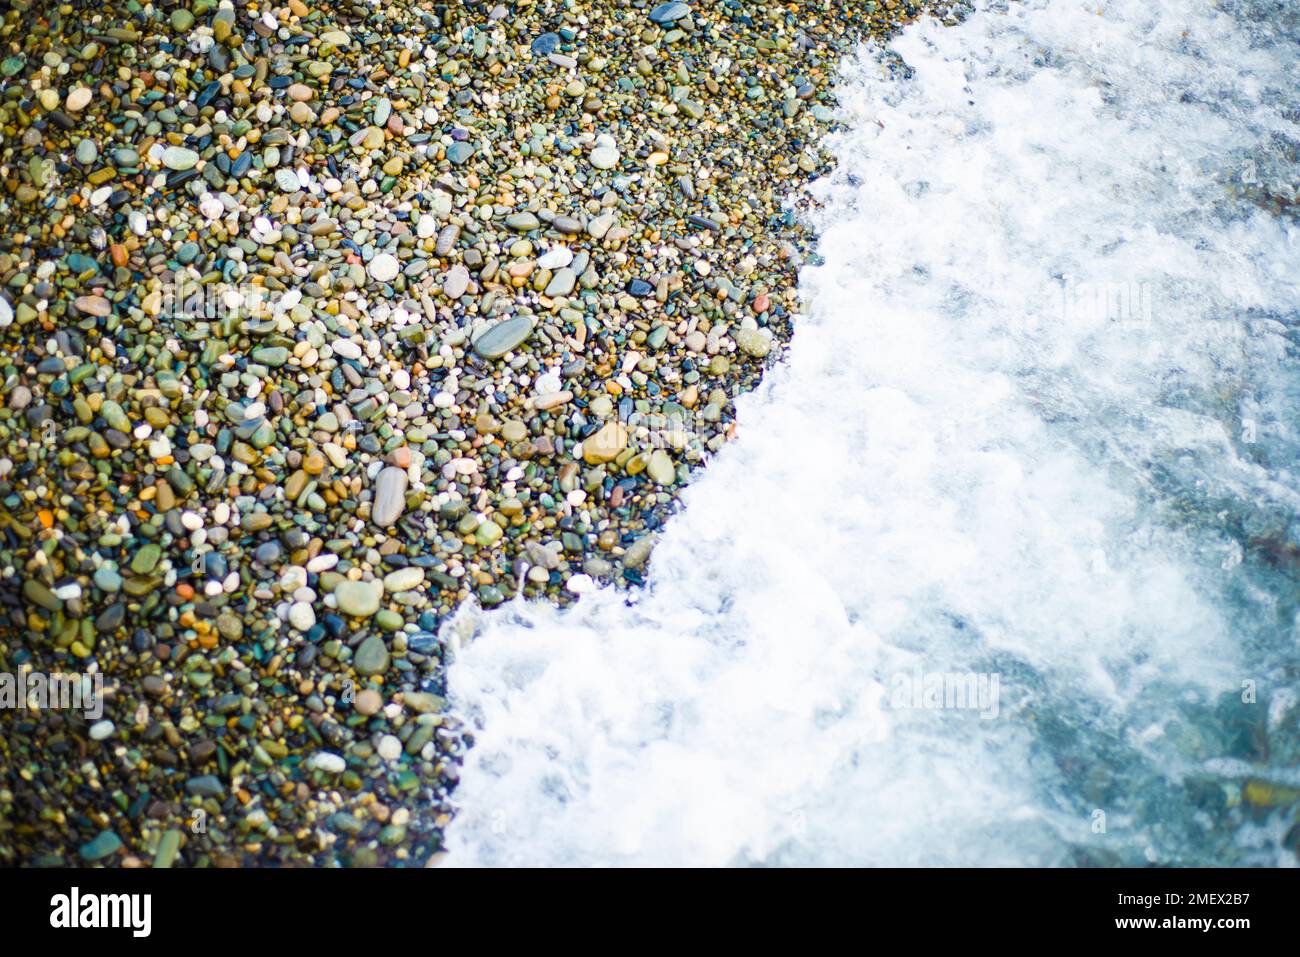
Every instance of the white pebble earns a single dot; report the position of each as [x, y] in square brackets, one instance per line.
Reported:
[292, 577]
[580, 584]
[325, 761]
[302, 616]
[384, 268]
[322, 563]
[555, 258]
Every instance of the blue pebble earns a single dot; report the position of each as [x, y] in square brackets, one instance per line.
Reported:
[546, 43]
[669, 12]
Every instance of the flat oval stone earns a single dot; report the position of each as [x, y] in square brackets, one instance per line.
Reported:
[404, 579]
[359, 599]
[504, 336]
[457, 282]
[179, 158]
[447, 239]
[669, 12]
[104, 845]
[522, 222]
[390, 496]
[561, 283]
[555, 258]
[371, 657]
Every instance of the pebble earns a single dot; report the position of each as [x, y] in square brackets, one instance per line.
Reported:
[328, 762]
[302, 616]
[359, 599]
[105, 845]
[555, 258]
[78, 99]
[404, 579]
[503, 337]
[605, 444]
[179, 158]
[561, 283]
[523, 222]
[371, 657]
[390, 496]
[604, 157]
[456, 283]
[384, 268]
[753, 343]
[669, 12]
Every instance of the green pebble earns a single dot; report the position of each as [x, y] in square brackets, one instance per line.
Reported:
[371, 657]
[104, 845]
[146, 559]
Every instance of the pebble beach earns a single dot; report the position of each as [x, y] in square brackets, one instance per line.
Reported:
[318, 321]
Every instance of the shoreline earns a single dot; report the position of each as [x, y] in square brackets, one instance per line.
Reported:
[557, 223]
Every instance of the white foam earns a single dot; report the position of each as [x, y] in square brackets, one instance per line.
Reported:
[950, 471]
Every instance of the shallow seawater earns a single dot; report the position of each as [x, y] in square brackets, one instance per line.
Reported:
[1004, 567]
